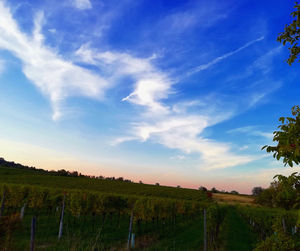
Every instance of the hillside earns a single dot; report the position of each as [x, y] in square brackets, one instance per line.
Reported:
[28, 176]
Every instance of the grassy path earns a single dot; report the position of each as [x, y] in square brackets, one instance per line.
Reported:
[236, 234]
[184, 238]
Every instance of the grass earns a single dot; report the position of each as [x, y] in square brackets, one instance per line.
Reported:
[186, 237]
[233, 199]
[236, 234]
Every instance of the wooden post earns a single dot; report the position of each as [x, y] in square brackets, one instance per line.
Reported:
[132, 240]
[32, 237]
[22, 211]
[2, 203]
[283, 224]
[61, 219]
[204, 235]
[130, 230]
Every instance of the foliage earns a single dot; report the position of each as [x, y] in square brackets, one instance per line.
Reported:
[163, 213]
[276, 228]
[288, 138]
[279, 242]
[215, 217]
[214, 190]
[291, 35]
[284, 192]
[202, 188]
[256, 191]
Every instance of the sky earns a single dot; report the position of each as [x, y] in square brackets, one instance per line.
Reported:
[175, 92]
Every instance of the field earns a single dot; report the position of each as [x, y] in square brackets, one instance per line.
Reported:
[35, 178]
[81, 213]
[233, 199]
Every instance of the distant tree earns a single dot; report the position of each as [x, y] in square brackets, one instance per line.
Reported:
[234, 192]
[288, 138]
[204, 189]
[62, 172]
[157, 184]
[74, 174]
[257, 191]
[266, 197]
[141, 182]
[120, 179]
[214, 190]
[178, 186]
[291, 35]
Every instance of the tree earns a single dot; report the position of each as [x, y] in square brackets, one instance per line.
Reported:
[291, 35]
[204, 189]
[283, 192]
[288, 138]
[214, 190]
[287, 191]
[256, 191]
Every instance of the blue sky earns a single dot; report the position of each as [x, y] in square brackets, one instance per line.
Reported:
[176, 92]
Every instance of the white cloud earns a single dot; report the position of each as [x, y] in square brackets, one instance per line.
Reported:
[56, 77]
[82, 4]
[151, 85]
[183, 132]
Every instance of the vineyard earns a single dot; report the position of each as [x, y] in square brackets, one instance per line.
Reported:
[34, 178]
[94, 217]
[43, 212]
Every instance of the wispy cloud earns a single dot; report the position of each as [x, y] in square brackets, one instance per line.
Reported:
[245, 147]
[120, 140]
[183, 132]
[191, 15]
[55, 76]
[151, 85]
[251, 130]
[178, 157]
[221, 58]
[82, 4]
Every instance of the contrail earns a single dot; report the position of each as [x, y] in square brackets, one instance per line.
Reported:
[218, 59]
